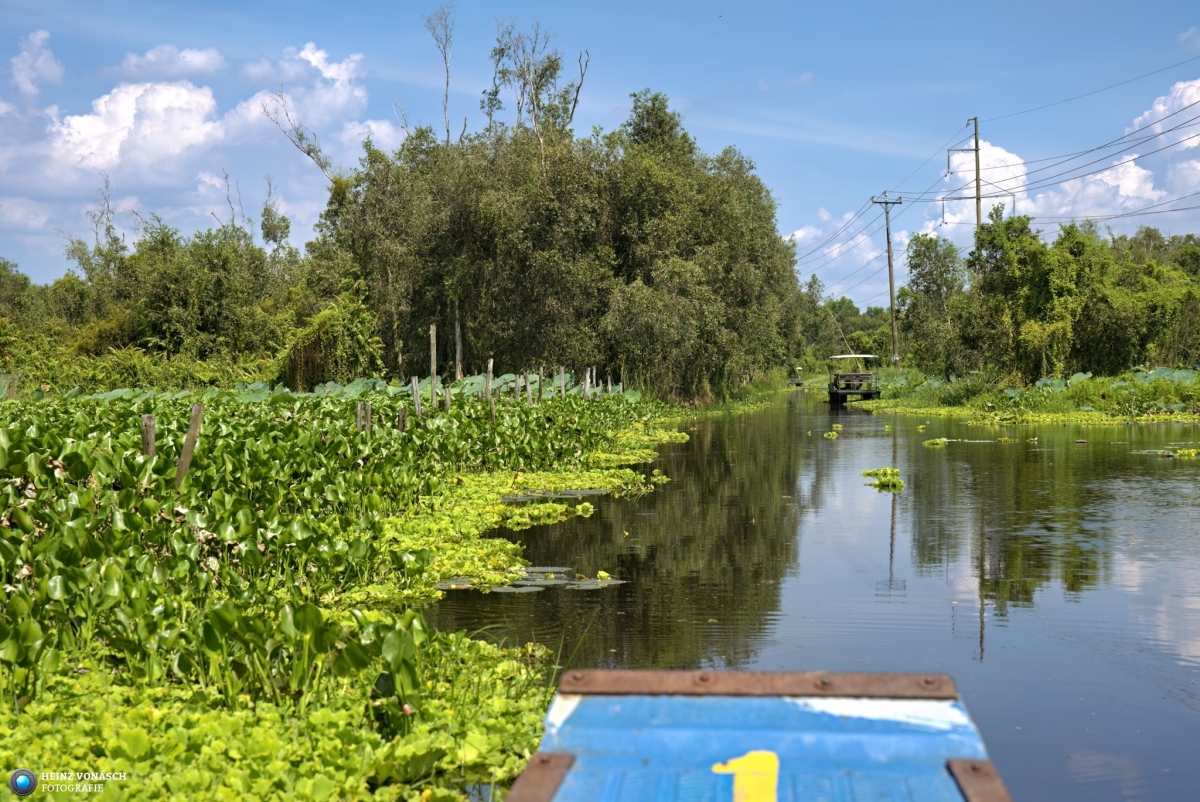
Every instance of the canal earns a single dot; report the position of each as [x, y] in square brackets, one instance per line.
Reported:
[1057, 581]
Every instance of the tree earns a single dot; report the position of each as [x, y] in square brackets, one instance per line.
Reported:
[931, 309]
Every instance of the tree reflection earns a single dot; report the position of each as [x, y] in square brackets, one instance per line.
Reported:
[703, 558]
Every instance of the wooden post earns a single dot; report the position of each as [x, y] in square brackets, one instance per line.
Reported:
[541, 381]
[609, 379]
[189, 444]
[447, 389]
[587, 375]
[516, 387]
[402, 419]
[562, 382]
[458, 370]
[367, 417]
[491, 400]
[528, 391]
[358, 416]
[148, 435]
[416, 397]
[432, 366]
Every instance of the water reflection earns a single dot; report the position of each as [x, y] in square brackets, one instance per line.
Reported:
[1056, 580]
[703, 559]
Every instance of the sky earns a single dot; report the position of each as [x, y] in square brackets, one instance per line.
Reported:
[835, 103]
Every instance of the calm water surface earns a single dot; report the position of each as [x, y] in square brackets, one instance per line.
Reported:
[1057, 582]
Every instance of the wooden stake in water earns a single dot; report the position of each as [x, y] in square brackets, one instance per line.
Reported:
[416, 394]
[541, 381]
[189, 444]
[402, 419]
[528, 391]
[587, 376]
[148, 435]
[562, 382]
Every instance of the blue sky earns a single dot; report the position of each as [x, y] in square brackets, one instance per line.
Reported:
[834, 102]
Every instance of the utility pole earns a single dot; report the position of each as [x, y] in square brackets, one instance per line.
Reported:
[978, 178]
[887, 216]
[978, 183]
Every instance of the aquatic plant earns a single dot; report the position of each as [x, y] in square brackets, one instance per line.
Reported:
[830, 435]
[937, 442]
[887, 480]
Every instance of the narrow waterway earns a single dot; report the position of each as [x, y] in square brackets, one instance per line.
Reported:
[1057, 581]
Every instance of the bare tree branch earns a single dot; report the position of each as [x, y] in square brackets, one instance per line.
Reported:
[585, 58]
[302, 137]
[440, 25]
[401, 117]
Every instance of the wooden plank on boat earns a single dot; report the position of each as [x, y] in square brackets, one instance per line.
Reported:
[626, 736]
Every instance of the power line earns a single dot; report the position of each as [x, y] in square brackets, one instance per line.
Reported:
[1123, 146]
[1093, 92]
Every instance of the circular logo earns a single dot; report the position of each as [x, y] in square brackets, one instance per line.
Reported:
[23, 782]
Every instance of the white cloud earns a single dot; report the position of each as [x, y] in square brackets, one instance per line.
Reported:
[35, 63]
[22, 213]
[824, 215]
[385, 135]
[762, 85]
[803, 79]
[144, 125]
[168, 61]
[803, 234]
[6, 108]
[1191, 37]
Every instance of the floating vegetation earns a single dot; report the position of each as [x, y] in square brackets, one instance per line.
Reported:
[1006, 440]
[921, 428]
[887, 480]
[537, 578]
[937, 442]
[887, 427]
[830, 435]
[1188, 453]
[837, 427]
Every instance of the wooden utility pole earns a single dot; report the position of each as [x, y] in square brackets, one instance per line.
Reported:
[978, 182]
[887, 217]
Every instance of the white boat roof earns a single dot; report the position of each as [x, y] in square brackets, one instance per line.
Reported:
[854, 356]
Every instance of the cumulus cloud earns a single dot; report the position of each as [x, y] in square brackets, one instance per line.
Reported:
[385, 134]
[23, 214]
[143, 125]
[804, 234]
[168, 61]
[1191, 37]
[35, 63]
[6, 108]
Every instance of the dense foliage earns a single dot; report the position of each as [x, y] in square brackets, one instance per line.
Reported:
[273, 579]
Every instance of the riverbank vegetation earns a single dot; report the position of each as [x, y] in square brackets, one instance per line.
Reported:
[1086, 327]
[252, 625]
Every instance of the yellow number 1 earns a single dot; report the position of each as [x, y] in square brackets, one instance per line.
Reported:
[755, 776]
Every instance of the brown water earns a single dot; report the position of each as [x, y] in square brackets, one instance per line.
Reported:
[1057, 582]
